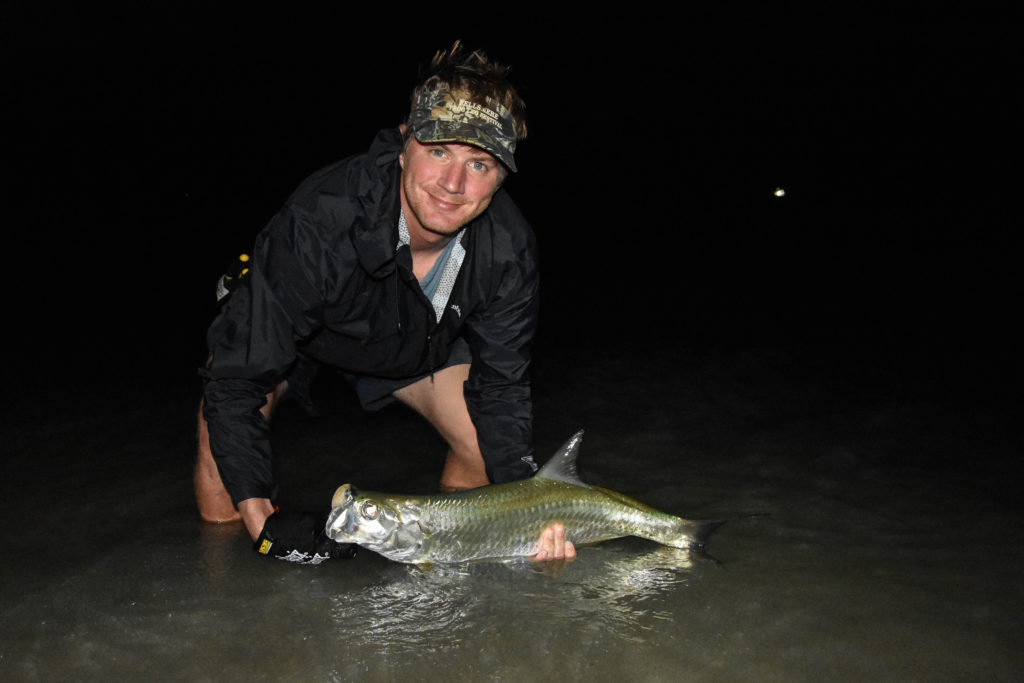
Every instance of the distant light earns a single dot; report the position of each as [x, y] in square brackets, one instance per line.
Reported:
[779, 192]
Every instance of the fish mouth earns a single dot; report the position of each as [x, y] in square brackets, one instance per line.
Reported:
[343, 496]
[337, 521]
[340, 525]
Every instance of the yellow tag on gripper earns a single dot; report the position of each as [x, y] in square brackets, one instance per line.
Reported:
[265, 547]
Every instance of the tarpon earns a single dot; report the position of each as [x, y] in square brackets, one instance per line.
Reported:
[502, 521]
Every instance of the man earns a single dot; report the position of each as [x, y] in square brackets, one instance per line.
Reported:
[409, 269]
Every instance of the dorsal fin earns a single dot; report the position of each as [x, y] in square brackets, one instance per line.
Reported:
[562, 466]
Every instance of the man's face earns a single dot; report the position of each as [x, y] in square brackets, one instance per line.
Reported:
[446, 185]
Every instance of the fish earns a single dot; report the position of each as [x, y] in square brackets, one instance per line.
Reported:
[502, 521]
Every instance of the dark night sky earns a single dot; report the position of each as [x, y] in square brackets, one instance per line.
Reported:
[140, 170]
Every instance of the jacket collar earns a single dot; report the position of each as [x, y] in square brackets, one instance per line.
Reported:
[378, 199]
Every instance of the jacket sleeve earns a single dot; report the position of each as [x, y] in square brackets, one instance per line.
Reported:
[252, 345]
[498, 389]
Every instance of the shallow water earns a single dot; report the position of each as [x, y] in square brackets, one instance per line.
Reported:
[873, 533]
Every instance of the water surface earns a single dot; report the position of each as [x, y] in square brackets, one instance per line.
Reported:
[873, 534]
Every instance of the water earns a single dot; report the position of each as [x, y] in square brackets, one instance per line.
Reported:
[873, 533]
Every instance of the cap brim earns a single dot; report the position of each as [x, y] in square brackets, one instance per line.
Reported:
[441, 136]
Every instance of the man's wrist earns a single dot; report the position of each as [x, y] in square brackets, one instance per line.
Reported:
[254, 513]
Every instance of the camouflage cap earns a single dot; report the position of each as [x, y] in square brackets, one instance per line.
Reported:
[446, 115]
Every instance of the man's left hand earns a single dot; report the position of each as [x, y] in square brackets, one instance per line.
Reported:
[553, 546]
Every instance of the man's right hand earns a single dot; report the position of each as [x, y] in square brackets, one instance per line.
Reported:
[300, 537]
[254, 513]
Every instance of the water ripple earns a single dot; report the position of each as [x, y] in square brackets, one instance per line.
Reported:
[616, 592]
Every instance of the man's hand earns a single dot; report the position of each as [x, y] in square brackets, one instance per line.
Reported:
[299, 537]
[254, 513]
[553, 546]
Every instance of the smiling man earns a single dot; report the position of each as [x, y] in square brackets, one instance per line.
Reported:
[411, 271]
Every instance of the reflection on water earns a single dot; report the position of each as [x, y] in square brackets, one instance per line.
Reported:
[613, 590]
[218, 544]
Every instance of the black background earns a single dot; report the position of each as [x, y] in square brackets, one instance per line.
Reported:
[143, 159]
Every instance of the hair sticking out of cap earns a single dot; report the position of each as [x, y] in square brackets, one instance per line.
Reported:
[463, 96]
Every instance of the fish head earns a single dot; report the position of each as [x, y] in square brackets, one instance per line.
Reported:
[375, 522]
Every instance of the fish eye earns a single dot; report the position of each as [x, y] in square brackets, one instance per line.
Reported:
[369, 510]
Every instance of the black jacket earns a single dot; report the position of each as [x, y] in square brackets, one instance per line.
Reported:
[325, 278]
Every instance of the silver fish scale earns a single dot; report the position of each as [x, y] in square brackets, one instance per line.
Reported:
[507, 520]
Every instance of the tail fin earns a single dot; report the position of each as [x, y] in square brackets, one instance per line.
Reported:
[672, 531]
[694, 533]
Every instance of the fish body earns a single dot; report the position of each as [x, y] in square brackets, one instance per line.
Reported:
[503, 520]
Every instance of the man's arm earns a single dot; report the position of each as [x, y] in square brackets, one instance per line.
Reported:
[500, 336]
[252, 345]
